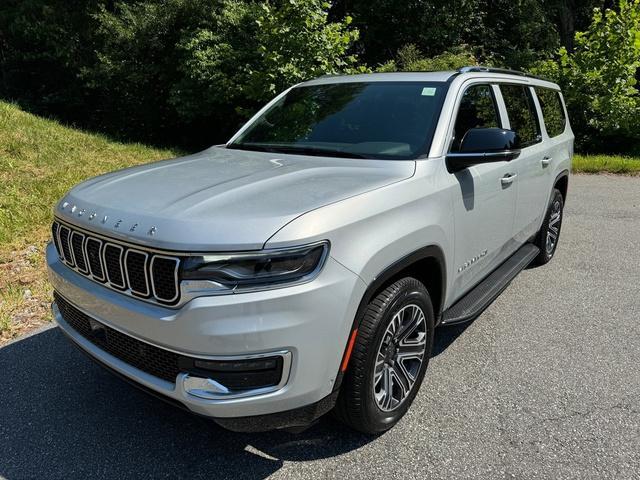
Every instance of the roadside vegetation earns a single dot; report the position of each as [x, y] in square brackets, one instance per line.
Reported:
[189, 72]
[39, 161]
[606, 164]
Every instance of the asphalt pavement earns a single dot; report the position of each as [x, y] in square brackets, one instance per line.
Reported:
[544, 384]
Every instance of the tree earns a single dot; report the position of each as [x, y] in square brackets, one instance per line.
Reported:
[206, 63]
[599, 79]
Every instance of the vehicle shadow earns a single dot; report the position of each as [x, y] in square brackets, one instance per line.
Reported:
[444, 336]
[62, 416]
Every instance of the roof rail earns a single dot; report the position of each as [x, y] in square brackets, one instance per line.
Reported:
[480, 68]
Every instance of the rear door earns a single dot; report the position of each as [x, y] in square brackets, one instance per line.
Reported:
[556, 132]
[484, 199]
[531, 166]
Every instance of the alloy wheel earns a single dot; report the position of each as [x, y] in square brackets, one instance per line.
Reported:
[553, 229]
[399, 357]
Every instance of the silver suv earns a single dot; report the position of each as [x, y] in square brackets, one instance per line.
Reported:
[303, 266]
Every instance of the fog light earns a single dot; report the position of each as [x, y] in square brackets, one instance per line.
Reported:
[235, 375]
[239, 366]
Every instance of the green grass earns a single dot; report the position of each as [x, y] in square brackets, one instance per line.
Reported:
[40, 160]
[606, 164]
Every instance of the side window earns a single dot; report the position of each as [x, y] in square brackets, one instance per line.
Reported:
[522, 113]
[477, 110]
[552, 111]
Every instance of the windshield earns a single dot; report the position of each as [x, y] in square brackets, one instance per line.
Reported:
[391, 120]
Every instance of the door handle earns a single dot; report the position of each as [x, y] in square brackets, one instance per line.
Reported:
[546, 161]
[508, 179]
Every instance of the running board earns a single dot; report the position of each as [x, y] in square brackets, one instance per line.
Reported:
[481, 296]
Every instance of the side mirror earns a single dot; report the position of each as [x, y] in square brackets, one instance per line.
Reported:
[484, 145]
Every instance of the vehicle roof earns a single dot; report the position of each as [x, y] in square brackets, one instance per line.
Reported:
[443, 76]
[383, 77]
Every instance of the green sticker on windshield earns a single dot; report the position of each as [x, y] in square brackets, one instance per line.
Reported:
[428, 91]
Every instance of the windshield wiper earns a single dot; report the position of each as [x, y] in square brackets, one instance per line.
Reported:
[322, 152]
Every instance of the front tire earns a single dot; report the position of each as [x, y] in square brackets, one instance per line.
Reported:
[549, 234]
[389, 358]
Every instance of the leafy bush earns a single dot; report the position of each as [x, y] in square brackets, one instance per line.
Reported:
[411, 59]
[600, 80]
[207, 63]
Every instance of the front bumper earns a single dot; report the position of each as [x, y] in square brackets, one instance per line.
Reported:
[311, 322]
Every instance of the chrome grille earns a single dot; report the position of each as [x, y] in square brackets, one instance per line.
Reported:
[119, 266]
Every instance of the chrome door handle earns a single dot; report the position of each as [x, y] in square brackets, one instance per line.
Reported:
[546, 161]
[508, 179]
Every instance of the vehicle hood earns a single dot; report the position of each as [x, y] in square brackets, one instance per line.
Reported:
[219, 199]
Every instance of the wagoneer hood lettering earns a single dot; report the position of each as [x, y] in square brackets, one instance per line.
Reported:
[219, 199]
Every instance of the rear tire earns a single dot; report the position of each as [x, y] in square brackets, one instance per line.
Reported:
[389, 358]
[549, 234]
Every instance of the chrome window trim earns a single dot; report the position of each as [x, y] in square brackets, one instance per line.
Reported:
[104, 259]
[144, 269]
[100, 249]
[175, 276]
[73, 251]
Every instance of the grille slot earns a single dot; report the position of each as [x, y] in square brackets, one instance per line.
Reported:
[113, 265]
[63, 238]
[163, 271]
[120, 266]
[93, 248]
[136, 268]
[54, 235]
[77, 246]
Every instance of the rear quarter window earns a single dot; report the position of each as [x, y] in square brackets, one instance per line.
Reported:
[552, 111]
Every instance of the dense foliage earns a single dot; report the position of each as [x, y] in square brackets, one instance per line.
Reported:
[188, 72]
[600, 80]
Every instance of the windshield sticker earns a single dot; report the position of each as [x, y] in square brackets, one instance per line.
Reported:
[428, 91]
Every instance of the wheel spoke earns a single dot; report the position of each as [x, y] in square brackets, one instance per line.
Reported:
[409, 350]
[400, 356]
[401, 382]
[387, 388]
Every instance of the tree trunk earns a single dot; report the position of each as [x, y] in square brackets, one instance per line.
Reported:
[566, 23]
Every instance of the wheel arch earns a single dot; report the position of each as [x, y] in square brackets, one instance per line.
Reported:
[562, 183]
[426, 264]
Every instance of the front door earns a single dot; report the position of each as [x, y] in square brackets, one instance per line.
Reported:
[484, 199]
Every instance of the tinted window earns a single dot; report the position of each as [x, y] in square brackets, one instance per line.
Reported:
[552, 111]
[522, 113]
[477, 110]
[376, 119]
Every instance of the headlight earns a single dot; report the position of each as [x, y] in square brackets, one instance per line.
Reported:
[235, 272]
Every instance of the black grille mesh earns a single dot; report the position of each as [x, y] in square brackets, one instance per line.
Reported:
[148, 358]
[54, 235]
[64, 243]
[94, 250]
[240, 374]
[77, 242]
[136, 268]
[112, 264]
[163, 278]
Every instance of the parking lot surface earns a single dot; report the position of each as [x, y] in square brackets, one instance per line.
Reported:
[544, 384]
